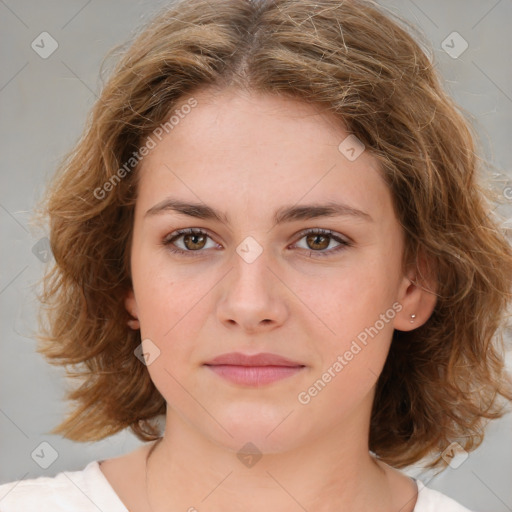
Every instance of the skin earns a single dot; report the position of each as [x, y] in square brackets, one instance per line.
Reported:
[247, 155]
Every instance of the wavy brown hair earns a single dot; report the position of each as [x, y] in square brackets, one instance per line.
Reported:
[442, 381]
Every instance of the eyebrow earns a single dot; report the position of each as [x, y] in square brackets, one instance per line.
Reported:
[282, 215]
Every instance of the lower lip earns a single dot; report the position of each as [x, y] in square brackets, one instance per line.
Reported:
[254, 375]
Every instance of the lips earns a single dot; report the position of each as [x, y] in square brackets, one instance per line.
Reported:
[254, 371]
[262, 359]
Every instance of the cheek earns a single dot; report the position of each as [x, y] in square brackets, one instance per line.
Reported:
[173, 303]
[351, 359]
[357, 312]
[351, 299]
[164, 295]
[172, 314]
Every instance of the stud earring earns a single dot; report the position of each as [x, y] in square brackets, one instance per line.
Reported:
[133, 324]
[413, 316]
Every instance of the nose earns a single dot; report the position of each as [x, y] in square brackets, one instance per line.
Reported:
[252, 297]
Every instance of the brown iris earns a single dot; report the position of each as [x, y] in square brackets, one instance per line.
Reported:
[315, 237]
[195, 245]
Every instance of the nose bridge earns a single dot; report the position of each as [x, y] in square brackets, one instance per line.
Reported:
[251, 261]
[251, 295]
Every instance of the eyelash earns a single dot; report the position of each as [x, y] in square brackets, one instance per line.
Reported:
[175, 235]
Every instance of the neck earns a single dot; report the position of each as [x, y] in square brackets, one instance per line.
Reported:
[335, 471]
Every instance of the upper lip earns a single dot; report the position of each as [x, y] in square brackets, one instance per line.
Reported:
[262, 359]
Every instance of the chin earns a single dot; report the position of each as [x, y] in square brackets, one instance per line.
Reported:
[268, 431]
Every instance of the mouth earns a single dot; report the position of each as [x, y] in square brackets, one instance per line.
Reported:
[253, 370]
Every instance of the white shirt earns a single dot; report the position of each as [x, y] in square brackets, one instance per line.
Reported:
[88, 490]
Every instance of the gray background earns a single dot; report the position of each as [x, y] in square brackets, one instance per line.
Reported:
[43, 105]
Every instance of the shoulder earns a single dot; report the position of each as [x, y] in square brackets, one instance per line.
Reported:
[430, 500]
[86, 490]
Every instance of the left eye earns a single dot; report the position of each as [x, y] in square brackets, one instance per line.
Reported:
[195, 239]
[321, 239]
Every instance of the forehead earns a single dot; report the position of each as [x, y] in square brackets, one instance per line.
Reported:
[238, 148]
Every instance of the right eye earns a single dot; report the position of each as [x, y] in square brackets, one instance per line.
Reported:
[193, 241]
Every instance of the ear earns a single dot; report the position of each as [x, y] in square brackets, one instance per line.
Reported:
[417, 295]
[131, 306]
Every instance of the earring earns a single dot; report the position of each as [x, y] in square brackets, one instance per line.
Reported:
[133, 324]
[413, 316]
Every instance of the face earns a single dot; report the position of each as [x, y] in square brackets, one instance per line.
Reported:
[307, 288]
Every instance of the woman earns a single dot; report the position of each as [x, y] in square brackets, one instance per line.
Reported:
[268, 235]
